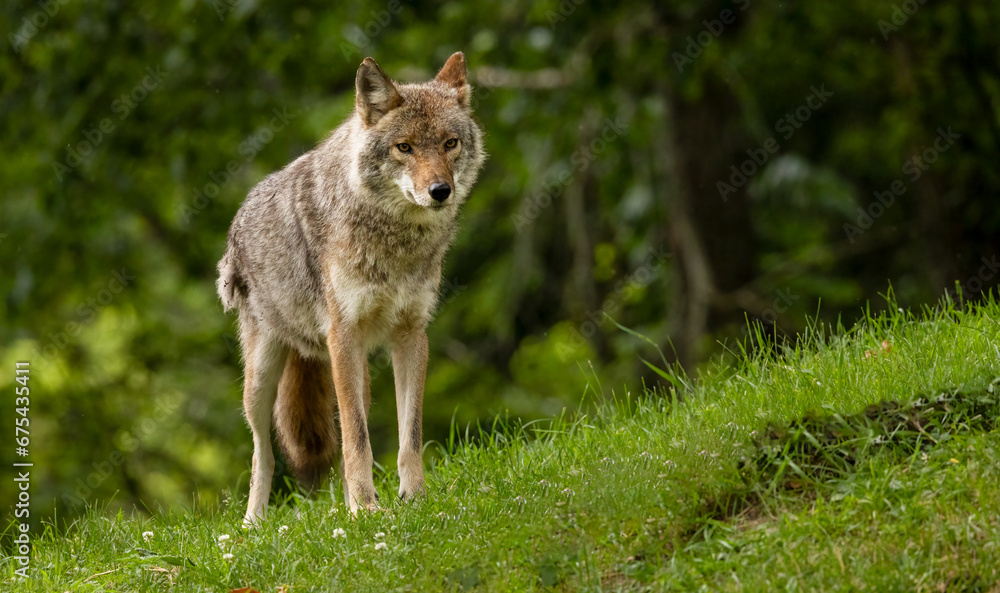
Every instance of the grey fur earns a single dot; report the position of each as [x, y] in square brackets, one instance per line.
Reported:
[315, 244]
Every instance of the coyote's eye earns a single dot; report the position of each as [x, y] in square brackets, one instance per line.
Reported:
[451, 143]
[404, 147]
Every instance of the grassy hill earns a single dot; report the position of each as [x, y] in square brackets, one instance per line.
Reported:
[863, 460]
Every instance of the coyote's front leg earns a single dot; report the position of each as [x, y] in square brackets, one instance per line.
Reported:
[409, 365]
[348, 358]
[265, 359]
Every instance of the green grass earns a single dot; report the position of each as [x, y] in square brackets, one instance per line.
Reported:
[769, 471]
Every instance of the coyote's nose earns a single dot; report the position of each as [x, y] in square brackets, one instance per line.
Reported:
[440, 191]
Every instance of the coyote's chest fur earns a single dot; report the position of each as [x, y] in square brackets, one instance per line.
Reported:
[384, 269]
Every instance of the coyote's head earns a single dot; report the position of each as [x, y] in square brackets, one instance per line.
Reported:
[421, 143]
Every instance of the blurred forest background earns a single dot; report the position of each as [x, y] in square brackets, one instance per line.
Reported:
[682, 167]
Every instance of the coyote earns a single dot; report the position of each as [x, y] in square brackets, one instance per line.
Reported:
[336, 254]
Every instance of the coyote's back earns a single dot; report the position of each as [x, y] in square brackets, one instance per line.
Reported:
[339, 252]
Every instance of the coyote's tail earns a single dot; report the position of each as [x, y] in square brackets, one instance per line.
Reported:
[304, 415]
[230, 285]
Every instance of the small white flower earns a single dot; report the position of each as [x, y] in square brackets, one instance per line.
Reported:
[283, 529]
[223, 538]
[519, 499]
[379, 535]
[147, 535]
[381, 546]
[227, 556]
[568, 492]
[338, 532]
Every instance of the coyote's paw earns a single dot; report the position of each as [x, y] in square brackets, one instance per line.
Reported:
[371, 508]
[412, 492]
[367, 503]
[252, 520]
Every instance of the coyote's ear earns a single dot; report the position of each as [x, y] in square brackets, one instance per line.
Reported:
[376, 94]
[453, 74]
